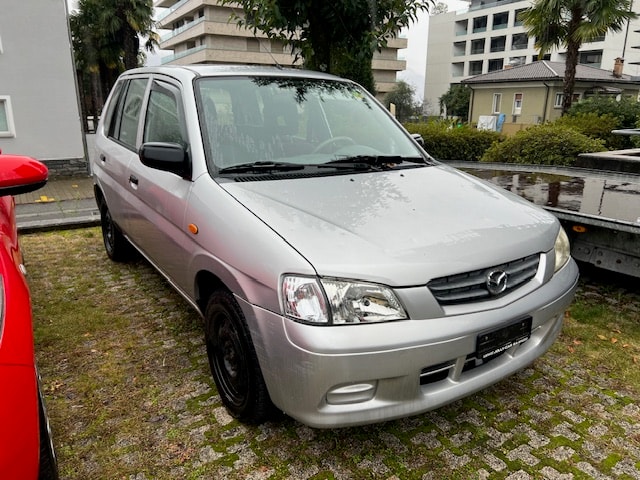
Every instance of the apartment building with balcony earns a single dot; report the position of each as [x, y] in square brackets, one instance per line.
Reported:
[201, 31]
[487, 36]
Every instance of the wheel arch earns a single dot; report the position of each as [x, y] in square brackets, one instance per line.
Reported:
[205, 284]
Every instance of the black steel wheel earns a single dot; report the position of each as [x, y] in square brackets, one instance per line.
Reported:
[233, 360]
[116, 245]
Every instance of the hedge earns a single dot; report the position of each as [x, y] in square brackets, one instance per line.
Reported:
[445, 141]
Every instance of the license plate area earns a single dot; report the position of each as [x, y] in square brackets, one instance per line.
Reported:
[495, 342]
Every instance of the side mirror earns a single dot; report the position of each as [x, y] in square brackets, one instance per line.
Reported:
[418, 138]
[20, 174]
[168, 157]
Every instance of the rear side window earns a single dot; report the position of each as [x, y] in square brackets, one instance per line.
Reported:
[124, 124]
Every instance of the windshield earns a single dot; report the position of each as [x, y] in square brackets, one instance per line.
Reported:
[288, 122]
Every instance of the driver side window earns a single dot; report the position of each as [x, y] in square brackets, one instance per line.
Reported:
[162, 123]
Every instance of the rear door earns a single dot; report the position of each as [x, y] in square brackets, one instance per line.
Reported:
[117, 146]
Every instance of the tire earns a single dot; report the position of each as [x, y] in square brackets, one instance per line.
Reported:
[117, 246]
[48, 467]
[233, 361]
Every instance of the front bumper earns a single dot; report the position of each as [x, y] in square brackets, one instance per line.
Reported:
[353, 375]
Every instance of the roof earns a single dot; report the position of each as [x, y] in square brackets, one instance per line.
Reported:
[212, 70]
[545, 70]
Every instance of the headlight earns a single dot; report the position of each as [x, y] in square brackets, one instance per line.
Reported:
[338, 302]
[562, 249]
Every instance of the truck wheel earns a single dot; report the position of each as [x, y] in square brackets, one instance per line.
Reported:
[233, 360]
[117, 246]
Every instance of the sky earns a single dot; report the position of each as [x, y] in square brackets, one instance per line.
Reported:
[415, 54]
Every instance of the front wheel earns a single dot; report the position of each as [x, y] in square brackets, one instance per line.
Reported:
[233, 360]
[116, 245]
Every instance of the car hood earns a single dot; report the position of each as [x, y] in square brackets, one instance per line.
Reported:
[399, 227]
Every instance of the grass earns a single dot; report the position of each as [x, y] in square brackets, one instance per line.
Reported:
[130, 396]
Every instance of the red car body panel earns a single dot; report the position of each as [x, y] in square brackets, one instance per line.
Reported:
[19, 423]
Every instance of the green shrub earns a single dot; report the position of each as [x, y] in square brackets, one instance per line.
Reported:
[546, 144]
[446, 141]
[627, 109]
[596, 126]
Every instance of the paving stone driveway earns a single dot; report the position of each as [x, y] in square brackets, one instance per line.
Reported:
[132, 398]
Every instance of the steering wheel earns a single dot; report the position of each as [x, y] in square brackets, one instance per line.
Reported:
[337, 142]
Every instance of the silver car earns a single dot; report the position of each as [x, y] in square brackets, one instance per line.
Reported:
[344, 276]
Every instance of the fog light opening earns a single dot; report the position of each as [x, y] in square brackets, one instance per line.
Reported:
[352, 393]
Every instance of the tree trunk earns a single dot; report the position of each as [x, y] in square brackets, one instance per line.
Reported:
[131, 45]
[573, 47]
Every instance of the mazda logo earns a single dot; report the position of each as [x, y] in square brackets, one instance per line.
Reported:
[496, 282]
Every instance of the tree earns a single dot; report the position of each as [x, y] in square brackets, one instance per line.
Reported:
[456, 100]
[571, 23]
[106, 41]
[440, 8]
[402, 97]
[338, 37]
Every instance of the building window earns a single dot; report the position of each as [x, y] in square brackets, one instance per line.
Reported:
[558, 101]
[496, 64]
[253, 45]
[497, 101]
[457, 69]
[500, 20]
[461, 27]
[517, 104]
[498, 44]
[593, 58]
[7, 128]
[475, 68]
[519, 41]
[459, 49]
[480, 24]
[517, 21]
[477, 46]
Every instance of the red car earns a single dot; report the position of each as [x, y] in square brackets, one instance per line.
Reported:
[26, 450]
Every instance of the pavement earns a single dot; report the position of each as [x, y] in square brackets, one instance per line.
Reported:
[61, 203]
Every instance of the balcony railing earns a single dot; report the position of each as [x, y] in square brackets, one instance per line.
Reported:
[191, 51]
[183, 28]
[492, 4]
[170, 10]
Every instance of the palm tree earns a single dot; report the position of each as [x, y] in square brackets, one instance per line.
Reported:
[127, 21]
[571, 23]
[106, 40]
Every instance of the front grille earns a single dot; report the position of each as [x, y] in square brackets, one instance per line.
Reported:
[472, 286]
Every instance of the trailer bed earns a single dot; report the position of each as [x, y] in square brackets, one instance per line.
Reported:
[600, 209]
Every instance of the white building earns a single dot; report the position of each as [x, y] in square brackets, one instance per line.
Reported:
[39, 110]
[487, 37]
[201, 32]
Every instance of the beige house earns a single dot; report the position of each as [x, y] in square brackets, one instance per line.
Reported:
[531, 94]
[201, 31]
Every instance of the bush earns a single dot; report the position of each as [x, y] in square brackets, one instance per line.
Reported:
[445, 141]
[546, 144]
[627, 110]
[596, 126]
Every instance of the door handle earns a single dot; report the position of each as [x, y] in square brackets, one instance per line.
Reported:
[133, 180]
[103, 159]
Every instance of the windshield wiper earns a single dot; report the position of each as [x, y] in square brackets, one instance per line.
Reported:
[262, 167]
[373, 161]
